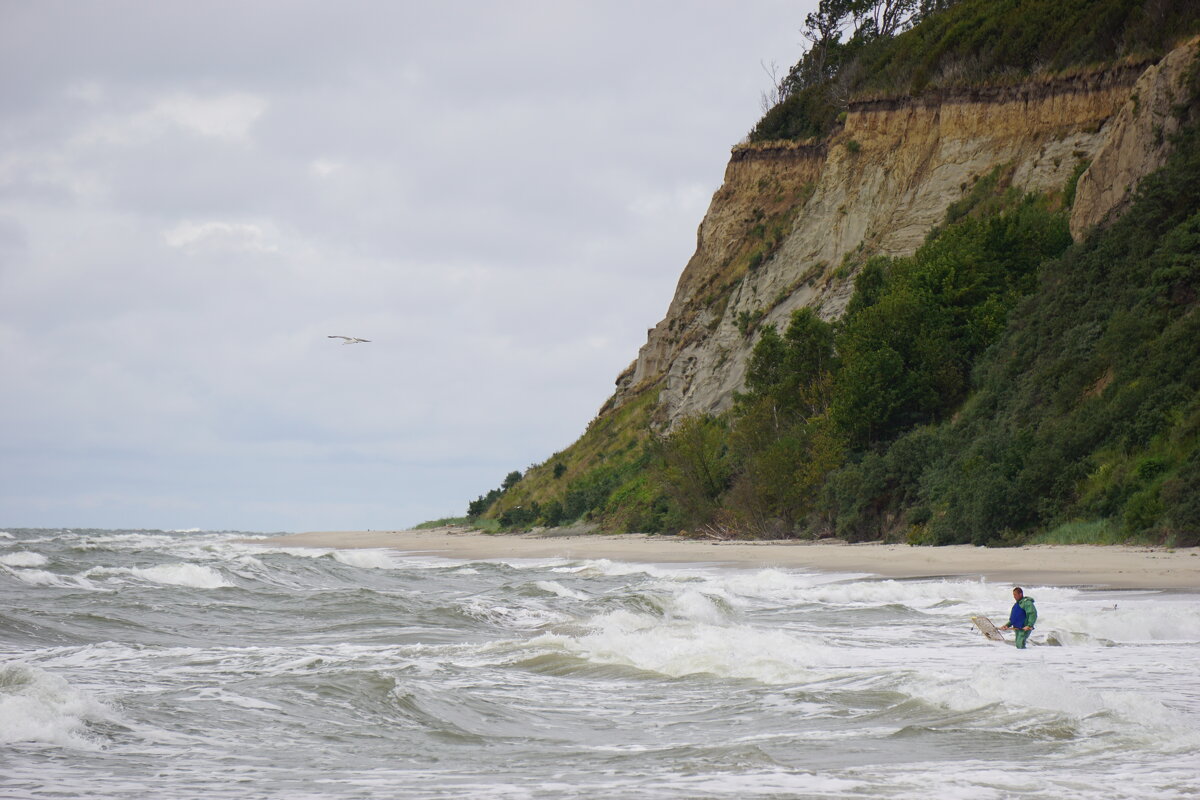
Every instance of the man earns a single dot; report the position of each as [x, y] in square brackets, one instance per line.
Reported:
[1022, 617]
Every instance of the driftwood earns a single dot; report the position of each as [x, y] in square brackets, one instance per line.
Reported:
[718, 531]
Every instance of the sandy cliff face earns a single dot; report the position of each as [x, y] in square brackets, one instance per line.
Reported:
[1137, 140]
[749, 214]
[792, 222]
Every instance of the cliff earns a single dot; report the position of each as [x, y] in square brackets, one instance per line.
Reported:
[1001, 383]
[793, 221]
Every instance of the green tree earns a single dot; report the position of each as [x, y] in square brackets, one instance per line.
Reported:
[695, 467]
[783, 367]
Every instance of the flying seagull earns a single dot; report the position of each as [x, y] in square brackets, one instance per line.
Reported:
[349, 339]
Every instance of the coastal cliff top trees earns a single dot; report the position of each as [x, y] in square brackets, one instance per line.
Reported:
[890, 48]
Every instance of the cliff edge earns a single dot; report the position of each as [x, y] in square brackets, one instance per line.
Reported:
[793, 221]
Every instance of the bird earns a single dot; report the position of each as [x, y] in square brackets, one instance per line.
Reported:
[349, 339]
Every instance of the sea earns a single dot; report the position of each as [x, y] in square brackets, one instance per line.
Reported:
[193, 664]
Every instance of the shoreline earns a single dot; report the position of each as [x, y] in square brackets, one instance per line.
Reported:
[1091, 566]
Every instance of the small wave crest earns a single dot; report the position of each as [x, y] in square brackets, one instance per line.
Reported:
[24, 558]
[510, 616]
[37, 706]
[1031, 689]
[688, 647]
[194, 576]
[554, 587]
[41, 577]
[607, 568]
[1132, 624]
[366, 559]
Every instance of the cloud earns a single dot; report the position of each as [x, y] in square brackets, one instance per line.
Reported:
[192, 198]
[228, 117]
[228, 236]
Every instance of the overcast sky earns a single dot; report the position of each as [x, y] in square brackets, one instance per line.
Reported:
[195, 195]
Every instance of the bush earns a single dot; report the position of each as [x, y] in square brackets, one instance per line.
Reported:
[1180, 498]
[965, 44]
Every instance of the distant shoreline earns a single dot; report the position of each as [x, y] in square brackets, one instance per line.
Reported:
[1108, 566]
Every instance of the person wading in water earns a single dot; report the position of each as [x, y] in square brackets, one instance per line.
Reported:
[1022, 617]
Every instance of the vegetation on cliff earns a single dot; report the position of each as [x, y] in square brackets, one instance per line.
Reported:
[954, 44]
[997, 384]
[1000, 384]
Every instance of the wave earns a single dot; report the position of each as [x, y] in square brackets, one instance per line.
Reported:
[608, 568]
[24, 558]
[368, 559]
[37, 706]
[1129, 624]
[41, 577]
[511, 616]
[1032, 688]
[195, 576]
[556, 588]
[693, 643]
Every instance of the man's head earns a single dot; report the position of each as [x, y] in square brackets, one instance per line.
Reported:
[1018, 593]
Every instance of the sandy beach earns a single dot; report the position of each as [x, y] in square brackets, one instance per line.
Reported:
[1114, 567]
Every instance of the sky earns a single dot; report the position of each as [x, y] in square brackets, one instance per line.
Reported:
[501, 196]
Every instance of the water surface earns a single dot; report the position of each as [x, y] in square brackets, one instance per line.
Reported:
[140, 664]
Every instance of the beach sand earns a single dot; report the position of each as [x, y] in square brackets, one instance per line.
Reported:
[1114, 567]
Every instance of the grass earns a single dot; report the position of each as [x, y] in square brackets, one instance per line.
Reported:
[1101, 531]
[485, 525]
[613, 440]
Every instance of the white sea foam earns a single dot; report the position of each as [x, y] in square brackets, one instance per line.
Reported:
[509, 616]
[1040, 688]
[554, 587]
[692, 604]
[195, 576]
[223, 696]
[841, 687]
[123, 541]
[37, 577]
[1129, 624]
[24, 558]
[933, 596]
[687, 647]
[37, 706]
[778, 585]
[603, 566]
[772, 783]
[368, 559]
[41, 577]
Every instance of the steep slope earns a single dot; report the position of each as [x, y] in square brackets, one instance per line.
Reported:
[793, 225]
[878, 185]
[1137, 140]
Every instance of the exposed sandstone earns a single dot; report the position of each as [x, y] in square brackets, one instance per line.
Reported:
[1137, 142]
[878, 185]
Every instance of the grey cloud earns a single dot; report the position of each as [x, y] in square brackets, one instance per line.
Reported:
[193, 196]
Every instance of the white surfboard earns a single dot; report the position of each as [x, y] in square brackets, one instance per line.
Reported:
[987, 628]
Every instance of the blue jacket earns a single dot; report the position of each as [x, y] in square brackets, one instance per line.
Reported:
[1023, 613]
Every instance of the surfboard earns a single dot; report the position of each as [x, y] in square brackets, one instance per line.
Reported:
[989, 630]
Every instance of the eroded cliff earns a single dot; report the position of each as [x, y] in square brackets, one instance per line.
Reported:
[793, 221]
